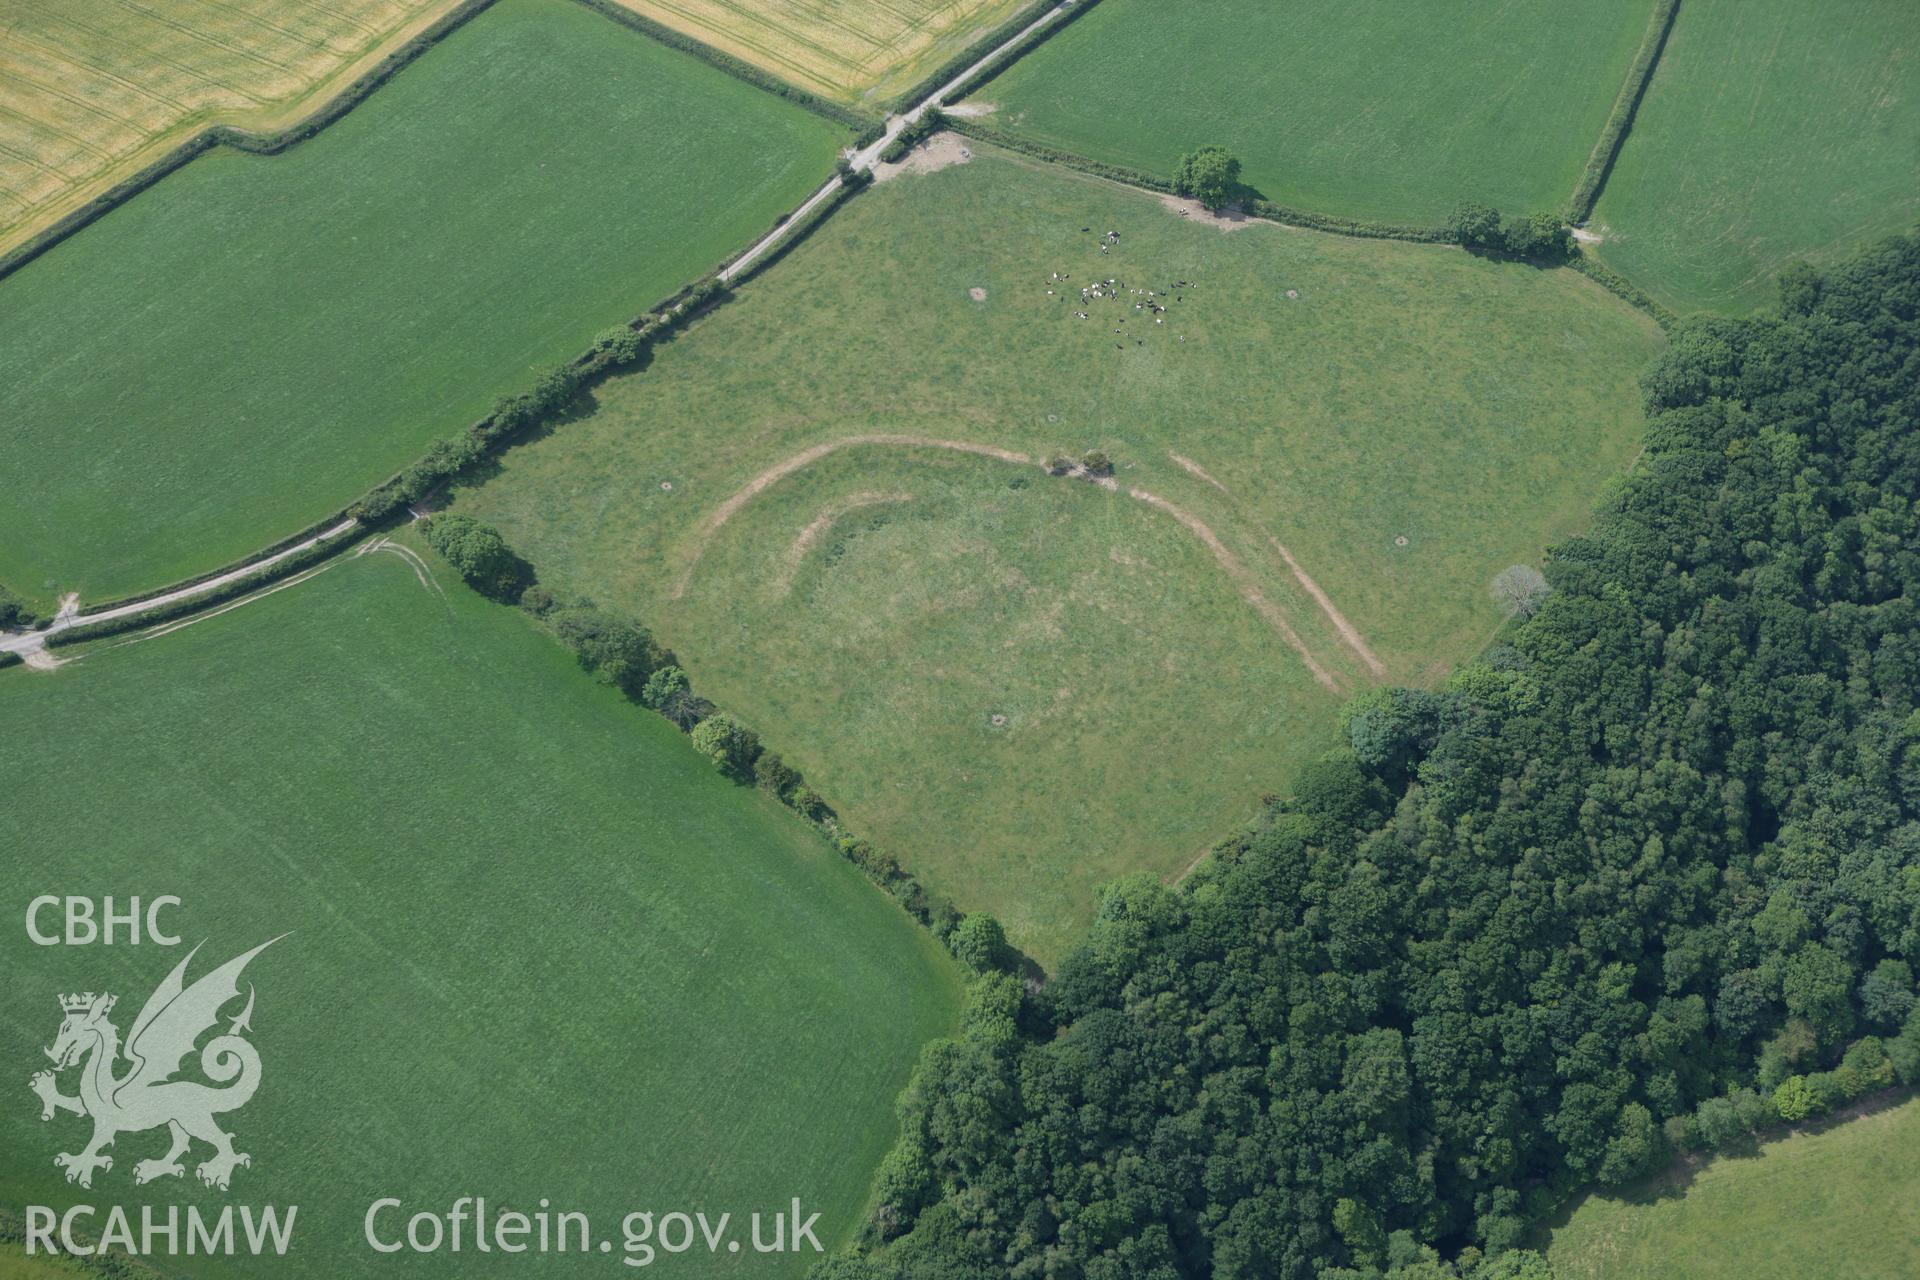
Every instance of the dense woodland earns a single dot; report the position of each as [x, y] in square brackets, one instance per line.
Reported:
[1645, 877]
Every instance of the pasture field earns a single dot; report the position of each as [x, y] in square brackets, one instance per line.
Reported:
[825, 496]
[258, 339]
[1771, 131]
[857, 51]
[1392, 113]
[1833, 1201]
[538, 948]
[92, 93]
[16, 1265]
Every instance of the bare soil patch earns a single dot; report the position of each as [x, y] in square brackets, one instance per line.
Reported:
[806, 457]
[977, 294]
[1231, 218]
[1193, 468]
[931, 156]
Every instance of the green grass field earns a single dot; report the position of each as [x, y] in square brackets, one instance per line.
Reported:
[1772, 130]
[257, 340]
[1387, 112]
[1835, 1202]
[16, 1265]
[1404, 420]
[539, 947]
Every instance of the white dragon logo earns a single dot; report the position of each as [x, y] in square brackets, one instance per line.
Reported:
[146, 1095]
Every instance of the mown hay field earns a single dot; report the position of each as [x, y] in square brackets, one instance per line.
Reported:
[859, 51]
[1772, 130]
[1388, 112]
[538, 948]
[1836, 1200]
[255, 340]
[91, 93]
[986, 667]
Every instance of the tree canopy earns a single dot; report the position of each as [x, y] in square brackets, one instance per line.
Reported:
[1210, 175]
[1646, 875]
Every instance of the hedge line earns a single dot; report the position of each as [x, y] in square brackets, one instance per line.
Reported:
[971, 54]
[446, 458]
[1618, 285]
[1600, 163]
[1021, 48]
[313, 530]
[353, 94]
[105, 1265]
[930, 122]
[731, 65]
[1257, 208]
[269, 574]
[800, 230]
[1348, 226]
[622, 653]
[241, 139]
[8, 659]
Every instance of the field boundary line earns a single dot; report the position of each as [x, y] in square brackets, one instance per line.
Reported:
[971, 55]
[1613, 136]
[401, 57]
[240, 139]
[1258, 209]
[739, 68]
[74, 627]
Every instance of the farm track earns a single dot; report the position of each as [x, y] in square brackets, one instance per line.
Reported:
[1244, 580]
[32, 645]
[34, 642]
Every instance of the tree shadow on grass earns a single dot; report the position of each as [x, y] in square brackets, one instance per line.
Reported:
[1676, 1180]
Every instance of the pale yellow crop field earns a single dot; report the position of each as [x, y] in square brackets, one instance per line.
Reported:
[92, 91]
[863, 51]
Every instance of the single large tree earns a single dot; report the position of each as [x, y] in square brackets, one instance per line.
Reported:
[1210, 175]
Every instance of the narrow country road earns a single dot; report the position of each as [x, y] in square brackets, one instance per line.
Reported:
[862, 161]
[31, 643]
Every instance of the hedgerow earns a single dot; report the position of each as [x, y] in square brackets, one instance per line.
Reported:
[1618, 285]
[1253, 206]
[1642, 878]
[242, 139]
[731, 65]
[267, 575]
[930, 121]
[971, 54]
[622, 653]
[974, 83]
[1607, 149]
[15, 612]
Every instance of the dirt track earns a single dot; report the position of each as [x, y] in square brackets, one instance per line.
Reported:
[806, 457]
[1235, 569]
[1242, 578]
